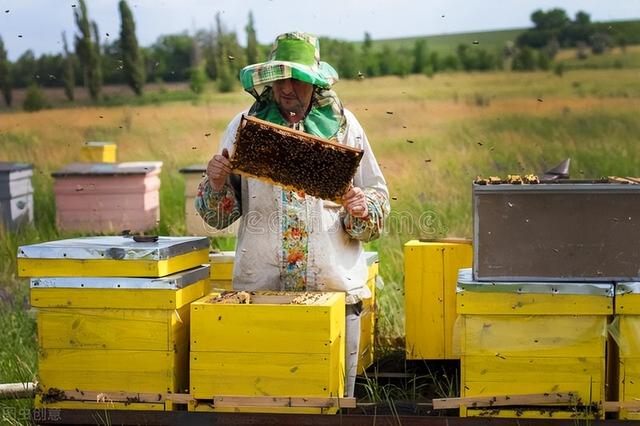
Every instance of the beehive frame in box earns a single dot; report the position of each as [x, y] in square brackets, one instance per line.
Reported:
[293, 159]
[267, 344]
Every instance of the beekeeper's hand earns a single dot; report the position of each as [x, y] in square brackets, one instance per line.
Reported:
[218, 169]
[355, 202]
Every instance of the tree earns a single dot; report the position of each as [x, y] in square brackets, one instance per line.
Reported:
[95, 84]
[524, 60]
[554, 19]
[23, 70]
[88, 54]
[252, 41]
[133, 64]
[170, 57]
[225, 71]
[420, 56]
[5, 75]
[68, 78]
[369, 61]
[544, 63]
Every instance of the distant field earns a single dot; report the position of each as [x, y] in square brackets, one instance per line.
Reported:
[489, 40]
[431, 137]
[447, 43]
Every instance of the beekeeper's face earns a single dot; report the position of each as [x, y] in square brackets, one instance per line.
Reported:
[293, 98]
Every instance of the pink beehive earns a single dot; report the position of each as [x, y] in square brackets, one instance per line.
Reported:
[108, 197]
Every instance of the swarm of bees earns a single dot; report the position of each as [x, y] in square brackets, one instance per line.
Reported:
[294, 160]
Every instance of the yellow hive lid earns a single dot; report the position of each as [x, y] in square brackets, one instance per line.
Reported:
[112, 256]
[532, 298]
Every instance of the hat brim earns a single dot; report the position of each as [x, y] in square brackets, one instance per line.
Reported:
[322, 75]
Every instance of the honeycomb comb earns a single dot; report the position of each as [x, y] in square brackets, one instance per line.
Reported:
[293, 159]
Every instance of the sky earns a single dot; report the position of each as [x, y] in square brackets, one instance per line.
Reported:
[38, 24]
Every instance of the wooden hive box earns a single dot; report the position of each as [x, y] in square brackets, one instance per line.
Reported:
[99, 152]
[532, 338]
[108, 197]
[628, 339]
[430, 280]
[272, 346]
[221, 264]
[110, 335]
[222, 276]
[368, 317]
[193, 175]
[112, 256]
[294, 160]
[564, 231]
[16, 195]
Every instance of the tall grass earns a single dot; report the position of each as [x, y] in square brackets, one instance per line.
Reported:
[430, 136]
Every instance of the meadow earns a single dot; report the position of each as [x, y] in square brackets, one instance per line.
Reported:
[431, 136]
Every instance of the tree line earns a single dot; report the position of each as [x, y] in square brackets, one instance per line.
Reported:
[97, 59]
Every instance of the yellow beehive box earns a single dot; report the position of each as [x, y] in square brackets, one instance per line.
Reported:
[221, 270]
[366, 348]
[193, 175]
[530, 338]
[99, 152]
[430, 277]
[283, 344]
[112, 256]
[222, 276]
[628, 339]
[101, 334]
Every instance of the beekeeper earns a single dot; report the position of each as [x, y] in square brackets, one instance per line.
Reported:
[287, 240]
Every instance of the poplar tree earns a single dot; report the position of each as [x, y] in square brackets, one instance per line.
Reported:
[131, 56]
[5, 75]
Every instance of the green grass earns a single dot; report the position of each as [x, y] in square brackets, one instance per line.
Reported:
[530, 121]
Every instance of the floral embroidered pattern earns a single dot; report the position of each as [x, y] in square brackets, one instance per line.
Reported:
[295, 241]
[370, 227]
[218, 209]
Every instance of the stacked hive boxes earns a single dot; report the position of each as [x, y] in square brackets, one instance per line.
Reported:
[534, 315]
[273, 344]
[430, 276]
[532, 338]
[16, 194]
[108, 197]
[113, 318]
[221, 280]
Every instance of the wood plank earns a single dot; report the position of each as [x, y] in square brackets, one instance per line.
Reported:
[531, 369]
[532, 304]
[264, 374]
[110, 268]
[99, 407]
[505, 400]
[540, 336]
[424, 299]
[456, 256]
[282, 401]
[17, 390]
[108, 370]
[130, 397]
[587, 392]
[127, 329]
[94, 298]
